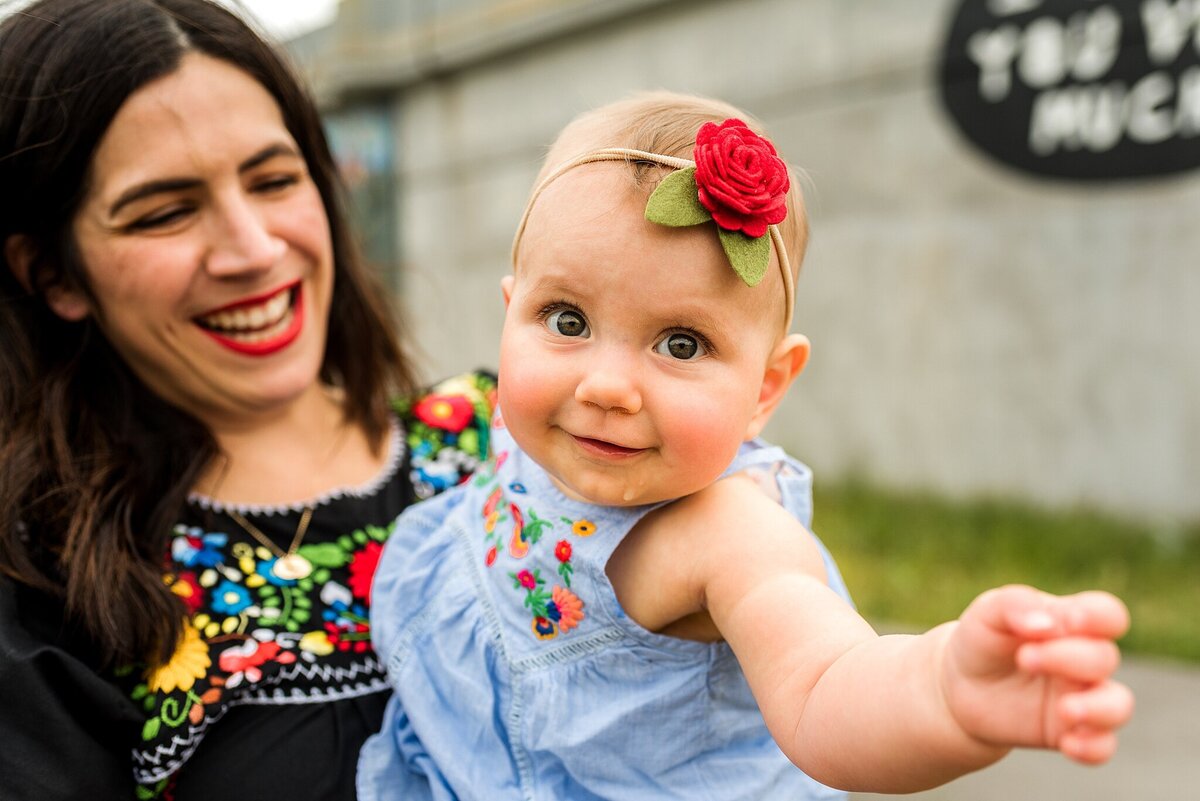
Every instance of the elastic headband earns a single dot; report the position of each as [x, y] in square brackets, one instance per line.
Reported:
[673, 216]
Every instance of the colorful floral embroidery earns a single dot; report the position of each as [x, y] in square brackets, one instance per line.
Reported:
[565, 608]
[562, 552]
[554, 611]
[253, 637]
[448, 434]
[189, 662]
[448, 412]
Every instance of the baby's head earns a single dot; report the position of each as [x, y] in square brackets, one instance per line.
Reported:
[635, 359]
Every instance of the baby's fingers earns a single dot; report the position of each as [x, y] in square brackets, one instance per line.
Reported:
[1042, 616]
[1088, 747]
[1077, 659]
[1105, 707]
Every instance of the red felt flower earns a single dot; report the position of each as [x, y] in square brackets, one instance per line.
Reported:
[562, 551]
[741, 179]
[448, 412]
[362, 570]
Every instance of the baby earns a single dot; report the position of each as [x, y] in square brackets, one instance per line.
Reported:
[627, 602]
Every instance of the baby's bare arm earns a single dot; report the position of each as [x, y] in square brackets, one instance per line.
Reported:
[862, 712]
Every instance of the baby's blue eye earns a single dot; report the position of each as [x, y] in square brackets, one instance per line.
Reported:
[568, 323]
[684, 347]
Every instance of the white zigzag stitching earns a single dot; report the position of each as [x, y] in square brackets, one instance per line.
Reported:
[256, 695]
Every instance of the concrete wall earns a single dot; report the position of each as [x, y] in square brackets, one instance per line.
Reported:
[975, 331]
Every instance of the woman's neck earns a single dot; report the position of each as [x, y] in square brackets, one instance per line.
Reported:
[299, 453]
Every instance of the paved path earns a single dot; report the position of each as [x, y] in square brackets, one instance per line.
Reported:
[1159, 757]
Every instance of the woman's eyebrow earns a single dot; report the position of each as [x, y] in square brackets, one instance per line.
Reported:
[142, 190]
[139, 191]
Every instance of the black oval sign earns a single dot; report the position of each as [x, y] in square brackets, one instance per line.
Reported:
[1078, 89]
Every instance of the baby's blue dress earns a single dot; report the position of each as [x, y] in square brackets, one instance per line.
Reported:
[518, 675]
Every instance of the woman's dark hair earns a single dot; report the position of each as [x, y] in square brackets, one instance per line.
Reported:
[94, 467]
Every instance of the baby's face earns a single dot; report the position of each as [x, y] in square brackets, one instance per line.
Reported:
[632, 356]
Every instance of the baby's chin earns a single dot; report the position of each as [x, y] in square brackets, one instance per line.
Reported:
[624, 493]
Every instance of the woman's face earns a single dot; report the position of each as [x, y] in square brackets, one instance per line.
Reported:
[207, 246]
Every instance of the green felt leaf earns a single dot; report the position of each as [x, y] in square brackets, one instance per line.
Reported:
[748, 256]
[676, 201]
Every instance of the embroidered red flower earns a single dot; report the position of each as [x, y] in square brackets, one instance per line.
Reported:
[490, 559]
[187, 587]
[448, 412]
[741, 179]
[527, 580]
[362, 570]
[562, 551]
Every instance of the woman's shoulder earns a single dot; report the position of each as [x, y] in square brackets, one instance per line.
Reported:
[66, 727]
[447, 430]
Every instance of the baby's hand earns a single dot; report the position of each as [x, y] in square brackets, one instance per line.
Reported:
[1026, 668]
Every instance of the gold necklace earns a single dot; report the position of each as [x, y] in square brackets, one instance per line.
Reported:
[289, 565]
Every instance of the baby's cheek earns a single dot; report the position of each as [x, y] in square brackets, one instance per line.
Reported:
[706, 437]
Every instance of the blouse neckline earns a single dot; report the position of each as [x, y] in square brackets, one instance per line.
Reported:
[372, 485]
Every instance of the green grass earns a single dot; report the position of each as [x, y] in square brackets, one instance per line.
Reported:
[919, 560]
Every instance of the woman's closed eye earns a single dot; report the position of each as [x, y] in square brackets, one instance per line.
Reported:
[275, 183]
[682, 346]
[567, 322]
[162, 218]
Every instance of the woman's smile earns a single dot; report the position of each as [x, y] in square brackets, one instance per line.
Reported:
[257, 326]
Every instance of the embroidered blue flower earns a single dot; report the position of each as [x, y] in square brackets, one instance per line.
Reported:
[230, 598]
[193, 548]
[517, 487]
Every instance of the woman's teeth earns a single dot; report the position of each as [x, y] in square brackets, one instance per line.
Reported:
[253, 323]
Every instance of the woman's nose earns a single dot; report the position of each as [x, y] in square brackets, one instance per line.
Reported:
[610, 382]
[242, 241]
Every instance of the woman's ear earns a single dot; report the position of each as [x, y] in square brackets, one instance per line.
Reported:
[786, 361]
[65, 300]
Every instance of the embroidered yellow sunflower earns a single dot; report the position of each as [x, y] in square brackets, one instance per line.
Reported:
[189, 662]
[583, 528]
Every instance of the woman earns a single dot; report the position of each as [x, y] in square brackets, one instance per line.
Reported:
[196, 371]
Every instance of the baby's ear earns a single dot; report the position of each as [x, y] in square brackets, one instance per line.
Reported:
[506, 286]
[63, 299]
[786, 361]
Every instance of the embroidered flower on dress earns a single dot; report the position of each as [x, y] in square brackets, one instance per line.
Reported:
[189, 662]
[570, 608]
[230, 598]
[243, 662]
[526, 579]
[583, 528]
[188, 588]
[197, 549]
[362, 570]
[447, 412]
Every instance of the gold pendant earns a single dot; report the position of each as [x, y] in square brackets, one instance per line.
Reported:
[292, 567]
